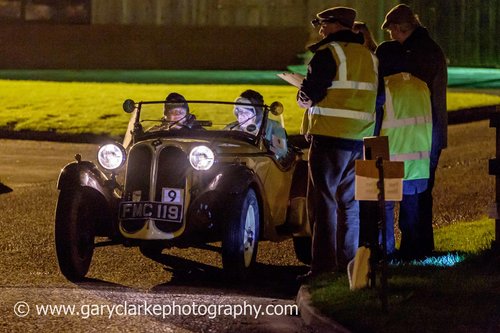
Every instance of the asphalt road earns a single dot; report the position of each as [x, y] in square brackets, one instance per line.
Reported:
[183, 291]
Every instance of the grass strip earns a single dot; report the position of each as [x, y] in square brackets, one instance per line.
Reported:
[456, 290]
[86, 107]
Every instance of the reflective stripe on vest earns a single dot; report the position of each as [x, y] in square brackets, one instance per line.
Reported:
[411, 156]
[348, 109]
[353, 85]
[407, 122]
[342, 113]
[342, 82]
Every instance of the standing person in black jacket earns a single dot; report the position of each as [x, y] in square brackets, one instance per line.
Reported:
[339, 93]
[412, 50]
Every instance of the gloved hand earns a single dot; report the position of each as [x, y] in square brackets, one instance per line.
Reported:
[303, 100]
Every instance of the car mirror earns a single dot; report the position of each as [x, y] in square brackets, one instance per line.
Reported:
[276, 108]
[129, 106]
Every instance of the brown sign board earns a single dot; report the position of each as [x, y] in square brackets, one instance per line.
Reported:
[367, 173]
[367, 177]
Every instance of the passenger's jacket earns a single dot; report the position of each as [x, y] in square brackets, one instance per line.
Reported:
[275, 136]
[408, 123]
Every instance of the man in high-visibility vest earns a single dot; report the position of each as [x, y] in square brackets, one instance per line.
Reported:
[414, 68]
[339, 93]
[407, 123]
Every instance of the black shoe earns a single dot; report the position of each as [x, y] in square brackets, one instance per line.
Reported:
[408, 257]
[394, 256]
[305, 278]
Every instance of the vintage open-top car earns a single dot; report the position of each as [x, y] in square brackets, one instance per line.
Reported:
[178, 185]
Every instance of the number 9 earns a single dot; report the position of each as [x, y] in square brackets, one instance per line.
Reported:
[172, 195]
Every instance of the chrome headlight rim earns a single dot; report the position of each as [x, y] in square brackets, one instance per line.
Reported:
[111, 156]
[201, 157]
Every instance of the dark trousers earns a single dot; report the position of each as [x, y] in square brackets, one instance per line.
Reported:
[369, 231]
[336, 213]
[409, 220]
[409, 224]
[425, 205]
[415, 220]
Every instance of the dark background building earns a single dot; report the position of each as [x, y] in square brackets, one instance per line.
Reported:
[215, 34]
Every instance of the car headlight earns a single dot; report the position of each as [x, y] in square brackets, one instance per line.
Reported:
[201, 158]
[111, 156]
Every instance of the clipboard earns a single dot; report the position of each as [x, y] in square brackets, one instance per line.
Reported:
[295, 79]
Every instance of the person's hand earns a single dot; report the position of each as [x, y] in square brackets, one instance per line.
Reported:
[308, 137]
[303, 100]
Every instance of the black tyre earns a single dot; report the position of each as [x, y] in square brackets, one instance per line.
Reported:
[241, 234]
[303, 249]
[75, 232]
[300, 187]
[151, 249]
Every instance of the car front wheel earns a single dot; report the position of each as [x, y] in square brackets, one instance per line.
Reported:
[241, 234]
[151, 249]
[75, 232]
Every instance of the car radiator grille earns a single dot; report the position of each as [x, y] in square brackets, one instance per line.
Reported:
[137, 182]
[171, 172]
[173, 166]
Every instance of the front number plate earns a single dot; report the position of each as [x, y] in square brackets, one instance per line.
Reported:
[151, 210]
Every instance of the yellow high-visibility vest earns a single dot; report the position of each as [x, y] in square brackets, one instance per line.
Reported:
[348, 110]
[408, 123]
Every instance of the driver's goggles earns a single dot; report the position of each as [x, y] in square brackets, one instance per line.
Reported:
[176, 112]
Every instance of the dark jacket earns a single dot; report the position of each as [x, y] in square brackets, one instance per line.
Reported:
[423, 58]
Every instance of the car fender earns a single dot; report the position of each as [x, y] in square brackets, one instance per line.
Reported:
[86, 174]
[297, 216]
[233, 179]
[229, 181]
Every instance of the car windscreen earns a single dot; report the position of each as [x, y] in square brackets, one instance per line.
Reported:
[201, 116]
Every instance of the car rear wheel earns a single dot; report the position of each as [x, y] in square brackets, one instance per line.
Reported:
[75, 232]
[302, 244]
[241, 235]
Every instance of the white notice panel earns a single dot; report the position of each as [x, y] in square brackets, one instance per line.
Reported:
[367, 176]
